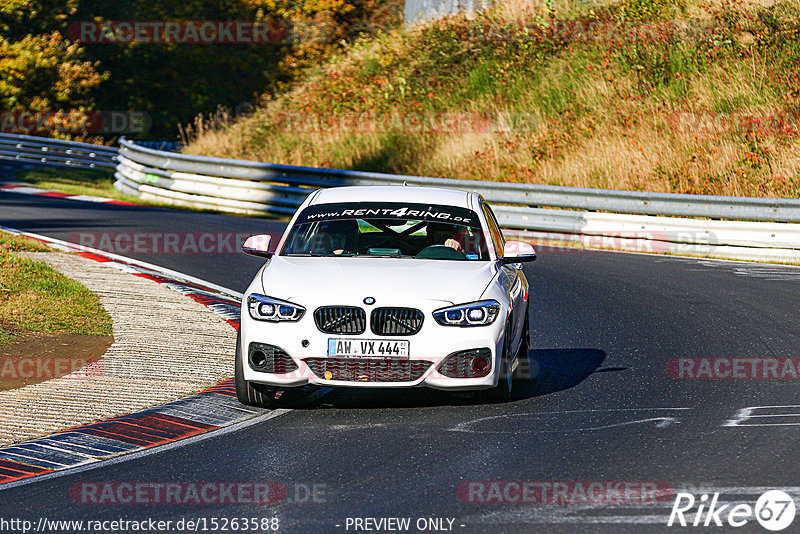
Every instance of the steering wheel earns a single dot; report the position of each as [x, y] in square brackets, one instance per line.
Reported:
[318, 245]
[440, 252]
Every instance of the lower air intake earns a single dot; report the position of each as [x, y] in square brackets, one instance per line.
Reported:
[474, 363]
[367, 370]
[270, 359]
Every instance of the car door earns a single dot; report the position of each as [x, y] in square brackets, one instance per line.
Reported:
[510, 277]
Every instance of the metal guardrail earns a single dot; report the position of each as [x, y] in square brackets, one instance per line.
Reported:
[734, 227]
[252, 187]
[157, 144]
[181, 171]
[31, 150]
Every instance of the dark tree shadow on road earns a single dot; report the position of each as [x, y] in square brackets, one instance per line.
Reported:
[551, 370]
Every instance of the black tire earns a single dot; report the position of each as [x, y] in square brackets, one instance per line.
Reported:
[505, 385]
[523, 371]
[256, 395]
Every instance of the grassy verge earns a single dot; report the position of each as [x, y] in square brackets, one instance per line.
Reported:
[34, 298]
[94, 182]
[682, 96]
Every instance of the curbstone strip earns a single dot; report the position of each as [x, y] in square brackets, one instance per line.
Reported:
[215, 407]
[25, 189]
[92, 443]
[154, 357]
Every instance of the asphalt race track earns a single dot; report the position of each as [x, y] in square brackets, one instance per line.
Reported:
[605, 409]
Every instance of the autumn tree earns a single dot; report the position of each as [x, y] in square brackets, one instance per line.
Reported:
[41, 72]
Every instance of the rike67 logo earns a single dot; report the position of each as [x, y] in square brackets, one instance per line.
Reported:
[774, 510]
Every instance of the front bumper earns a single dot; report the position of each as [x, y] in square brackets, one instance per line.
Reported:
[306, 346]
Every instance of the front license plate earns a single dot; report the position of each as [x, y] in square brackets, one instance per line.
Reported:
[368, 348]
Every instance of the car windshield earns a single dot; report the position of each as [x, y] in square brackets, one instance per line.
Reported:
[385, 229]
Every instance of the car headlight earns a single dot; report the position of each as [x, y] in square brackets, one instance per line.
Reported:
[472, 314]
[264, 308]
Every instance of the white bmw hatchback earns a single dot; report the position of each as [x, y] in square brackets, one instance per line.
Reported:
[385, 286]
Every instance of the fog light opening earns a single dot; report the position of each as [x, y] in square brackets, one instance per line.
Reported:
[480, 365]
[258, 359]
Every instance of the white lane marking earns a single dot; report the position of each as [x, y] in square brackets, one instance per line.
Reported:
[139, 453]
[90, 198]
[51, 447]
[623, 519]
[663, 258]
[769, 272]
[662, 422]
[742, 490]
[362, 426]
[21, 457]
[765, 424]
[745, 414]
[26, 190]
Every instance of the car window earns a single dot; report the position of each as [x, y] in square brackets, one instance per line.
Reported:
[494, 230]
[387, 230]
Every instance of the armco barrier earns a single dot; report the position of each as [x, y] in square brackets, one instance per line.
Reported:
[184, 168]
[731, 227]
[32, 150]
[766, 229]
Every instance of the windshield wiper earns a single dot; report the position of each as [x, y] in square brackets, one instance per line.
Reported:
[383, 255]
[309, 255]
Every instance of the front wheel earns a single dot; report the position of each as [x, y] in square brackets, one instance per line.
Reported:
[505, 384]
[250, 394]
[524, 371]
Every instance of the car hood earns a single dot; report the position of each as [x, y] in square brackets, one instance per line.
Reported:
[391, 281]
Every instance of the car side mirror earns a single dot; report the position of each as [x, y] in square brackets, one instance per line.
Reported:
[257, 245]
[517, 252]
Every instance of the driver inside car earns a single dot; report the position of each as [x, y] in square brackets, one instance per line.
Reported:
[444, 234]
[319, 243]
[343, 235]
[333, 237]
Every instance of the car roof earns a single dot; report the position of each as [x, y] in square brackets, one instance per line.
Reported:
[393, 193]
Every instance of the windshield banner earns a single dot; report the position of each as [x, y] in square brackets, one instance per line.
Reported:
[389, 210]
